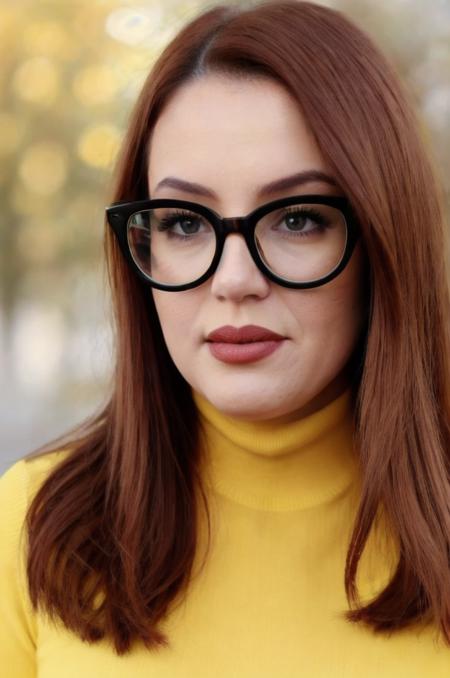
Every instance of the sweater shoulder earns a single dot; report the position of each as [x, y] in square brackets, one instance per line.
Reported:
[18, 486]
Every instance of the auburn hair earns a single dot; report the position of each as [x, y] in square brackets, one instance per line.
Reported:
[112, 531]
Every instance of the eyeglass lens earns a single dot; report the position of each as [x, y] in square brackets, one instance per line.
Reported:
[300, 243]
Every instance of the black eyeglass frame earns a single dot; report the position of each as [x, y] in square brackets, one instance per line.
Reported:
[118, 215]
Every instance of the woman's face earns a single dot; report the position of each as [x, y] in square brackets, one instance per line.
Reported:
[232, 137]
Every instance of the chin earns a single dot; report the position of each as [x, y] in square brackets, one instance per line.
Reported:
[247, 406]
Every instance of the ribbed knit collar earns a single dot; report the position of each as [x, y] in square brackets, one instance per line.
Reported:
[280, 464]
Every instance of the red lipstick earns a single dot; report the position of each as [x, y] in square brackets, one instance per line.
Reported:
[243, 344]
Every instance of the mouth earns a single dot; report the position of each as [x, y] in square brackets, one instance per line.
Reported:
[243, 335]
[242, 345]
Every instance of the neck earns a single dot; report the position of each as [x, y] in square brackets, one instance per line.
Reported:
[287, 463]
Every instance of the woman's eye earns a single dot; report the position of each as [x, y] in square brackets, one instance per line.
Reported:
[297, 221]
[303, 221]
[180, 225]
[187, 226]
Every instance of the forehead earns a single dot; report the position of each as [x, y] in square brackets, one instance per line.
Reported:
[231, 134]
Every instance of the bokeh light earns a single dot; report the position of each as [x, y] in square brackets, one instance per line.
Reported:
[98, 145]
[95, 84]
[35, 365]
[47, 38]
[37, 81]
[44, 167]
[134, 26]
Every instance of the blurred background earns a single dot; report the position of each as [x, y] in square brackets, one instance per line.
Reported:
[69, 73]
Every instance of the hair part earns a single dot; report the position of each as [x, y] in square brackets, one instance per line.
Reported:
[113, 530]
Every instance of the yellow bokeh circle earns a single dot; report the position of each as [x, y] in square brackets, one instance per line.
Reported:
[37, 80]
[95, 85]
[44, 167]
[46, 38]
[99, 144]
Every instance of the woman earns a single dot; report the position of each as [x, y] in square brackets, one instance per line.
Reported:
[266, 491]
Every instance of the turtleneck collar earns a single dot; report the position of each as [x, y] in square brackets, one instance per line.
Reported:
[280, 464]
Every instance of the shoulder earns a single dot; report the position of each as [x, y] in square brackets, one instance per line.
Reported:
[23, 478]
[18, 485]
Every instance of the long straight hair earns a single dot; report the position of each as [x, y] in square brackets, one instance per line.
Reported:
[113, 529]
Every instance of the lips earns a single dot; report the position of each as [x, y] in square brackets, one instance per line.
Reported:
[242, 335]
[238, 345]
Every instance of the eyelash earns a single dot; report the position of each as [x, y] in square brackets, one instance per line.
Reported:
[310, 212]
[168, 222]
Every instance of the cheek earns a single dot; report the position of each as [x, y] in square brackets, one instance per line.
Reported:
[176, 312]
[335, 312]
[346, 301]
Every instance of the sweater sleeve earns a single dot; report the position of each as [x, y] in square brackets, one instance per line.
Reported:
[17, 619]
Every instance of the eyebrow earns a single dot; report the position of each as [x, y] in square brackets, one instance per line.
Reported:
[292, 181]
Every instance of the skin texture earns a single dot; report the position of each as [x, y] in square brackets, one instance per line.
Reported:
[233, 136]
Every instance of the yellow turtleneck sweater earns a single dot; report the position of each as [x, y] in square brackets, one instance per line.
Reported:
[268, 602]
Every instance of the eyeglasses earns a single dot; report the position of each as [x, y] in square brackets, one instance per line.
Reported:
[300, 242]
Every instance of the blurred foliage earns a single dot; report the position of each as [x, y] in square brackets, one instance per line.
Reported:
[69, 74]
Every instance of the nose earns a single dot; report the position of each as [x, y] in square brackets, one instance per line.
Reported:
[237, 275]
